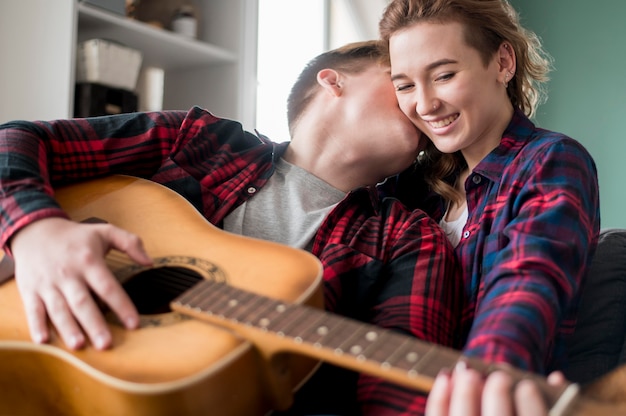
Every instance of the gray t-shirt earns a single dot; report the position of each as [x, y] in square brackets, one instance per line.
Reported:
[289, 209]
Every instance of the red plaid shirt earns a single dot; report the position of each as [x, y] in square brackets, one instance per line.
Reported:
[383, 264]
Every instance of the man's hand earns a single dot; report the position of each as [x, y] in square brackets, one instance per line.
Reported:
[466, 392]
[58, 265]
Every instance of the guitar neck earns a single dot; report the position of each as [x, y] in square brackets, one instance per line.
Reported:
[275, 326]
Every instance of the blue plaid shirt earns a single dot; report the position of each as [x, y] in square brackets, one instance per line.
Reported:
[533, 226]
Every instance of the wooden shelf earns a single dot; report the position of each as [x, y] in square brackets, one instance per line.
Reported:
[160, 48]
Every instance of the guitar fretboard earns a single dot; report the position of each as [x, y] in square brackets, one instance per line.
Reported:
[307, 326]
[329, 337]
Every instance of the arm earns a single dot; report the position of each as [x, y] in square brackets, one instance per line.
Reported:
[421, 294]
[535, 259]
[35, 156]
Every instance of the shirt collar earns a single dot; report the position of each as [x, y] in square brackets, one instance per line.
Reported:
[369, 192]
[517, 134]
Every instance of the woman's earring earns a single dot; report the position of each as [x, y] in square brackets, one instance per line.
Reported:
[507, 76]
[421, 157]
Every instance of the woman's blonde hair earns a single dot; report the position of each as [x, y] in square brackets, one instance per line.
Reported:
[487, 24]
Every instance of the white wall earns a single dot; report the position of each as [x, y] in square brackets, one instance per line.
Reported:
[50, 70]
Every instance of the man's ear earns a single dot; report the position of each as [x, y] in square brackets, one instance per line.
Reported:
[507, 62]
[330, 80]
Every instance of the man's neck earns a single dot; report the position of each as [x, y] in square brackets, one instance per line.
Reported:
[327, 163]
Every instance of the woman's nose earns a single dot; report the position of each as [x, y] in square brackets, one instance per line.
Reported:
[425, 102]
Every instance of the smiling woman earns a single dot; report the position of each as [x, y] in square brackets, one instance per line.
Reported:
[468, 75]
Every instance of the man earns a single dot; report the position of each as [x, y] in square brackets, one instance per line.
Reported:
[383, 264]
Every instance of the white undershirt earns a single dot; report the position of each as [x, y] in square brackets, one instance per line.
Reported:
[454, 229]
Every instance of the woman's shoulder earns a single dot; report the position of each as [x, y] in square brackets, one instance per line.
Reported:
[545, 143]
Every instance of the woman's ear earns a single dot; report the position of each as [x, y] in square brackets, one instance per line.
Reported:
[507, 62]
[330, 80]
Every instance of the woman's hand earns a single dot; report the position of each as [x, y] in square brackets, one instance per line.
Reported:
[466, 392]
[58, 265]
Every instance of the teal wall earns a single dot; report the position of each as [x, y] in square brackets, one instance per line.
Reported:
[587, 90]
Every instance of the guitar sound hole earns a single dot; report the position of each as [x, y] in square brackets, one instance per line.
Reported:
[152, 290]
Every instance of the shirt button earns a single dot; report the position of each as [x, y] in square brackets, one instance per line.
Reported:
[476, 179]
[466, 234]
[251, 190]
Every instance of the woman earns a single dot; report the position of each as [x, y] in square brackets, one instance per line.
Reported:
[520, 203]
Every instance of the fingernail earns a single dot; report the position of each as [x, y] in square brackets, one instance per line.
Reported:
[460, 366]
[39, 338]
[77, 341]
[101, 341]
[131, 322]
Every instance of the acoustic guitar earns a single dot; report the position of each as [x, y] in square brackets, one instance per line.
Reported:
[230, 325]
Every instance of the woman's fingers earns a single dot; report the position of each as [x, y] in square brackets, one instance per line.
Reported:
[438, 402]
[497, 398]
[467, 393]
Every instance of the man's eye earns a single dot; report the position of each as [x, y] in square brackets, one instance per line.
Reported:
[445, 77]
[403, 87]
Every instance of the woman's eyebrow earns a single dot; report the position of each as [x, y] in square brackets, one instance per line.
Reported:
[429, 67]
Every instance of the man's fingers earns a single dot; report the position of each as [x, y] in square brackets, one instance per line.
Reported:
[60, 266]
[128, 243]
[36, 317]
[62, 319]
[88, 314]
[107, 288]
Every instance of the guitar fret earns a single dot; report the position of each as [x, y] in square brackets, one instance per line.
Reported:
[272, 312]
[407, 355]
[288, 319]
[315, 329]
[198, 293]
[224, 294]
[356, 343]
[377, 338]
[434, 360]
[335, 335]
[243, 308]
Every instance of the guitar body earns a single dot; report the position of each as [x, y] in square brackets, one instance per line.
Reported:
[172, 364]
[230, 325]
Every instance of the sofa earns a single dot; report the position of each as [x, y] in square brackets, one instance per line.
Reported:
[598, 344]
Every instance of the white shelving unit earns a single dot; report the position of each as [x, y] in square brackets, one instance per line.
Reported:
[38, 38]
[160, 48]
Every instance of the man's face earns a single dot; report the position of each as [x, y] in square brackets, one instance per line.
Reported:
[374, 122]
